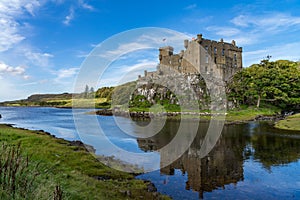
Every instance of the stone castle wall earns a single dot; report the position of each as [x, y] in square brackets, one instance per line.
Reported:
[203, 56]
[203, 64]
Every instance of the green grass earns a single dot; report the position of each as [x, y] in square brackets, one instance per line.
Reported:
[249, 113]
[235, 115]
[76, 102]
[73, 169]
[290, 123]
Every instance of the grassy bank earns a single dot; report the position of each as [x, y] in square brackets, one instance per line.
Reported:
[250, 113]
[62, 168]
[290, 123]
[65, 103]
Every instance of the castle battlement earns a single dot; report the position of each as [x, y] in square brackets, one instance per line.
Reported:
[201, 56]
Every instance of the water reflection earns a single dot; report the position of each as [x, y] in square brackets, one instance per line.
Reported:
[273, 147]
[225, 163]
[251, 161]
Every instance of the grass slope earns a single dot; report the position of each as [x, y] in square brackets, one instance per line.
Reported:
[75, 170]
[290, 123]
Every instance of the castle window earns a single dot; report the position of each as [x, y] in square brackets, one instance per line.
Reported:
[234, 57]
[223, 52]
[235, 65]
[205, 69]
[206, 59]
[215, 59]
[215, 50]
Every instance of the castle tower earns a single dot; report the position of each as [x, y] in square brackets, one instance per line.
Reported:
[204, 56]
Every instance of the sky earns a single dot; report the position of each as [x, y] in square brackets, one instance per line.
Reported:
[43, 44]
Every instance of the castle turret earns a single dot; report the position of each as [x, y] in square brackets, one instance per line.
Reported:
[203, 55]
[186, 43]
[166, 51]
[233, 43]
[199, 37]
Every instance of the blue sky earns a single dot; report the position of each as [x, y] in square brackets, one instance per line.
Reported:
[43, 43]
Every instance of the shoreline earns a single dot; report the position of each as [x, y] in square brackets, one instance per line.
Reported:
[146, 115]
[101, 174]
[291, 122]
[108, 160]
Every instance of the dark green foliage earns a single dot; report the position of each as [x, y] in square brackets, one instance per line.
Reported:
[276, 83]
[103, 105]
[53, 103]
[104, 92]
[140, 101]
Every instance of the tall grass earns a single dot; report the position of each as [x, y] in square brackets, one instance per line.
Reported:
[18, 177]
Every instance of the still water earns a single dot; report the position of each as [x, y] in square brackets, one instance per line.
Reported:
[249, 161]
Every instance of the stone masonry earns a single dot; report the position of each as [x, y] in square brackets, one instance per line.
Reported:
[204, 65]
[201, 56]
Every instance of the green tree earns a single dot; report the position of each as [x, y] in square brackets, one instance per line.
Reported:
[86, 91]
[276, 83]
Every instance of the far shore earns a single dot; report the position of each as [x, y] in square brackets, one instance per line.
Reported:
[231, 116]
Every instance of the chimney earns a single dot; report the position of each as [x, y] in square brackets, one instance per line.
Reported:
[199, 37]
[186, 43]
[233, 42]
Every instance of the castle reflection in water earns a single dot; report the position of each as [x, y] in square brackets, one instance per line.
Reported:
[224, 164]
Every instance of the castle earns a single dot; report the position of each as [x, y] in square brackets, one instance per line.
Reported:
[201, 56]
[196, 74]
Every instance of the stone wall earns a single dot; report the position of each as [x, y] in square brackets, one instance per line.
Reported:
[203, 56]
[199, 71]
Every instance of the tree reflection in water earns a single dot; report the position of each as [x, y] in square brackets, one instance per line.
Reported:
[224, 164]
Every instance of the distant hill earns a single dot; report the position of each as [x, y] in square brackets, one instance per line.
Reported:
[42, 100]
[45, 97]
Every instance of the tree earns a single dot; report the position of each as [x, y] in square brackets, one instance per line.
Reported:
[92, 90]
[276, 83]
[92, 93]
[86, 91]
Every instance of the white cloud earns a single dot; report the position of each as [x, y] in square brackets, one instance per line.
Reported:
[224, 31]
[85, 5]
[252, 29]
[274, 21]
[190, 7]
[124, 48]
[10, 11]
[66, 73]
[252, 57]
[31, 6]
[9, 70]
[125, 73]
[69, 17]
[81, 4]
[152, 40]
[37, 58]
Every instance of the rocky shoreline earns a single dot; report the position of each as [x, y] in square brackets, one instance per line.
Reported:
[145, 114]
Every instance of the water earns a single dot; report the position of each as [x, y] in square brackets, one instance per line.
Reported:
[249, 161]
